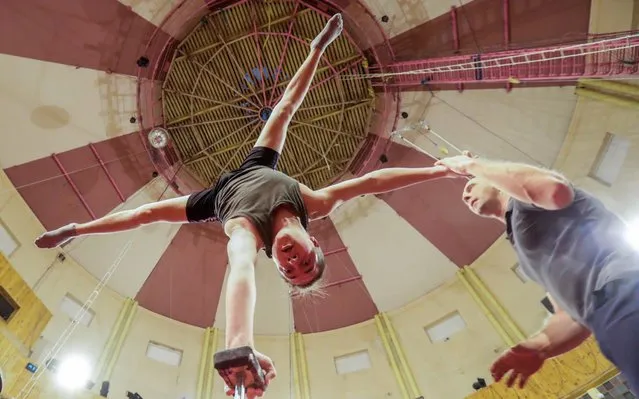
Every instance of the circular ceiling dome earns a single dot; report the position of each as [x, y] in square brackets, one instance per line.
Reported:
[231, 70]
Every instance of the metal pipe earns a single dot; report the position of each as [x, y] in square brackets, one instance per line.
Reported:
[199, 393]
[73, 186]
[106, 171]
[453, 18]
[391, 358]
[406, 369]
[120, 341]
[595, 95]
[208, 386]
[115, 332]
[343, 281]
[335, 251]
[487, 293]
[506, 10]
[491, 318]
[304, 367]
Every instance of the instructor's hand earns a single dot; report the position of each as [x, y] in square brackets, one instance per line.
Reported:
[459, 164]
[521, 361]
[269, 373]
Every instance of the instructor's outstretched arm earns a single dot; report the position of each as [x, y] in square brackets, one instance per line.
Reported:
[561, 334]
[537, 186]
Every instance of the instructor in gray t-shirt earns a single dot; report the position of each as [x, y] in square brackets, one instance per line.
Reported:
[567, 241]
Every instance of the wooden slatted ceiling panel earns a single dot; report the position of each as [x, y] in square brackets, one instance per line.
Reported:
[214, 92]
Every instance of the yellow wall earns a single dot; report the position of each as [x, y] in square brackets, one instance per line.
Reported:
[447, 369]
[322, 348]
[611, 16]
[521, 300]
[135, 372]
[593, 119]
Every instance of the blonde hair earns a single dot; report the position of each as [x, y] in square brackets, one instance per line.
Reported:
[316, 286]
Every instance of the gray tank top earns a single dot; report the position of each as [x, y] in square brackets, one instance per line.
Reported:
[254, 193]
[573, 251]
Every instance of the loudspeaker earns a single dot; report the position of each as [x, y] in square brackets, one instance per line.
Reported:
[548, 305]
[104, 389]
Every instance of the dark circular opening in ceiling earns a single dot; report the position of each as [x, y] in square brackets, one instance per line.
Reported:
[228, 73]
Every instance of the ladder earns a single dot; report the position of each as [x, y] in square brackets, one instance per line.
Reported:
[616, 55]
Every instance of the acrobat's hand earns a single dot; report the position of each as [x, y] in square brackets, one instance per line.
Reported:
[459, 164]
[246, 369]
[521, 361]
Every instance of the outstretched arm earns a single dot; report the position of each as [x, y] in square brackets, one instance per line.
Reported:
[324, 201]
[541, 187]
[240, 301]
[561, 334]
[240, 288]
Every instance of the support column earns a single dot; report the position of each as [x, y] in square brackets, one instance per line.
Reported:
[455, 28]
[300, 367]
[513, 329]
[484, 308]
[208, 371]
[406, 371]
[392, 358]
[113, 346]
[297, 370]
[204, 361]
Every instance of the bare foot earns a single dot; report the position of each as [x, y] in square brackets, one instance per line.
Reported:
[56, 237]
[330, 32]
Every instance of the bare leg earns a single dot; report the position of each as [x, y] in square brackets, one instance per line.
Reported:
[171, 211]
[273, 134]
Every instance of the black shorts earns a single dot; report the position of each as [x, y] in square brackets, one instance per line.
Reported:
[200, 207]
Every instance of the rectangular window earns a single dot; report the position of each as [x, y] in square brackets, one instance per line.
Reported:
[610, 159]
[353, 362]
[8, 306]
[443, 329]
[8, 243]
[164, 354]
[71, 306]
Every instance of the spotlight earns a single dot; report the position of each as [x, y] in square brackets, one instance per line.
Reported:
[479, 384]
[404, 115]
[632, 233]
[158, 137]
[73, 372]
[132, 119]
[383, 158]
[143, 62]
[385, 18]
